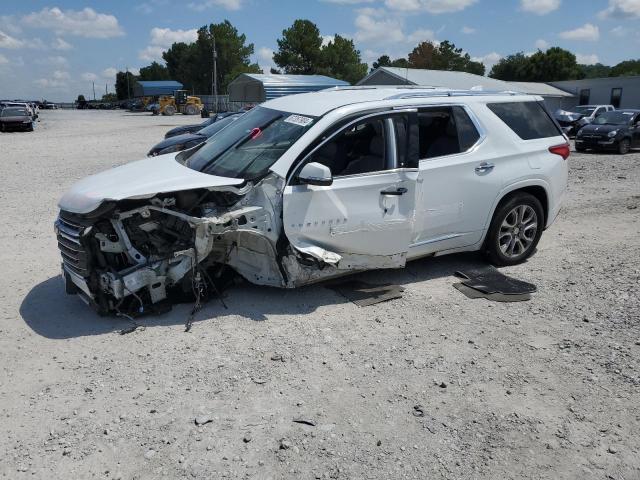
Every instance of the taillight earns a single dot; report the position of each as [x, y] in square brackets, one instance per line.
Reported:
[563, 150]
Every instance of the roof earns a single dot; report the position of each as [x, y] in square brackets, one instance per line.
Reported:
[536, 88]
[319, 103]
[462, 80]
[160, 83]
[155, 87]
[438, 78]
[273, 79]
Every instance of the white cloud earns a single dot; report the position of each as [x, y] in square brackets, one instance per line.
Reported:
[619, 31]
[541, 44]
[89, 77]
[421, 35]
[587, 32]
[55, 60]
[468, 30]
[431, 6]
[226, 4]
[161, 39]
[61, 75]
[165, 37]
[151, 53]
[264, 57]
[326, 39]
[587, 59]
[134, 71]
[372, 28]
[61, 44]
[539, 7]
[349, 2]
[3, 60]
[83, 23]
[489, 60]
[621, 9]
[10, 24]
[7, 41]
[109, 72]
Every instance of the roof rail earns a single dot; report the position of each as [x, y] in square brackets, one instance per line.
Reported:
[449, 93]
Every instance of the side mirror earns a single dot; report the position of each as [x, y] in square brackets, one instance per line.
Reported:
[315, 173]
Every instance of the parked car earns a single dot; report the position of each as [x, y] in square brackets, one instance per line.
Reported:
[618, 130]
[189, 140]
[578, 117]
[312, 186]
[16, 118]
[182, 129]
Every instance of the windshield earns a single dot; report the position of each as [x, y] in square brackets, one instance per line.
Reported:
[613, 118]
[217, 126]
[584, 110]
[249, 147]
[14, 112]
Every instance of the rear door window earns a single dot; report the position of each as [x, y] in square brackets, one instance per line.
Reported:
[445, 131]
[529, 120]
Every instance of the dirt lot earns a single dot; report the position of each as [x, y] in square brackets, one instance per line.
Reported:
[546, 389]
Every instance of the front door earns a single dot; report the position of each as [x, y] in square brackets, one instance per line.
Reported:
[366, 216]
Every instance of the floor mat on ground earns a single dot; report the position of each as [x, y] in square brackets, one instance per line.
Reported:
[364, 294]
[496, 297]
[490, 280]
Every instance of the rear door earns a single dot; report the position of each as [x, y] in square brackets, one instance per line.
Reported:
[366, 216]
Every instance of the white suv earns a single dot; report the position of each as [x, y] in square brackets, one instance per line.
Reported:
[312, 186]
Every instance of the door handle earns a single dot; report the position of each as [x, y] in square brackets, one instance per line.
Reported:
[484, 167]
[397, 192]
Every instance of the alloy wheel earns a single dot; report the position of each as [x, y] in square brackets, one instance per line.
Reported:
[518, 231]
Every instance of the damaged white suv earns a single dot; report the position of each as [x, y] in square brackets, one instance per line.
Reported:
[312, 186]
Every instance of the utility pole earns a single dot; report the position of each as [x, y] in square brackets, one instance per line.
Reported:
[214, 80]
[128, 92]
[94, 91]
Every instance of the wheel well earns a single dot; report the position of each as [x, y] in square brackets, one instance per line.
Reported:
[539, 192]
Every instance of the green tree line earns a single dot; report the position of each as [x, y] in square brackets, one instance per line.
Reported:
[302, 50]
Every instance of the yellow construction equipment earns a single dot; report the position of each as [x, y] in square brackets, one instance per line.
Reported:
[181, 102]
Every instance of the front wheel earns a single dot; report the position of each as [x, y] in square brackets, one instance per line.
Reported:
[624, 146]
[190, 109]
[515, 230]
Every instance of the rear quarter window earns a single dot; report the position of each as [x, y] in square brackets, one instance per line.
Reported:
[529, 120]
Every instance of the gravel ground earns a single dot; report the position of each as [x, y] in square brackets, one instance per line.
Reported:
[433, 385]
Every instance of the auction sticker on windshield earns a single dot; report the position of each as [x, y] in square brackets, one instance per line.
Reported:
[298, 120]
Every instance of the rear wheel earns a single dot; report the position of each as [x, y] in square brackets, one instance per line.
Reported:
[169, 110]
[190, 109]
[515, 230]
[624, 146]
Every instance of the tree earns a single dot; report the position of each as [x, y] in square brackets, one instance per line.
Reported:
[385, 61]
[511, 68]
[626, 68]
[594, 71]
[81, 100]
[155, 71]
[121, 85]
[444, 56]
[109, 97]
[551, 66]
[340, 59]
[192, 64]
[299, 49]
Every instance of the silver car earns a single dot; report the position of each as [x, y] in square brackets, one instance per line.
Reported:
[15, 118]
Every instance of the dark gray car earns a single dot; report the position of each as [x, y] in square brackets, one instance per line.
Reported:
[15, 118]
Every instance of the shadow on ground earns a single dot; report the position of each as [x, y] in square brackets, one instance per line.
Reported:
[51, 313]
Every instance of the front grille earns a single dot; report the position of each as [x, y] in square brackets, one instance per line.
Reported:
[74, 255]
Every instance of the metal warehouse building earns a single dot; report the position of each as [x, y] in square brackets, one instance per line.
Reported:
[554, 97]
[621, 92]
[152, 88]
[259, 87]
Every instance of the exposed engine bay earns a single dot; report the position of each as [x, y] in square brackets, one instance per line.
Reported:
[139, 256]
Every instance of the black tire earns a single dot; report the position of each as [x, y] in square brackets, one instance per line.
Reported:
[500, 236]
[30, 128]
[624, 146]
[190, 109]
[580, 149]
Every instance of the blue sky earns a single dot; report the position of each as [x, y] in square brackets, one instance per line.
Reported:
[56, 50]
